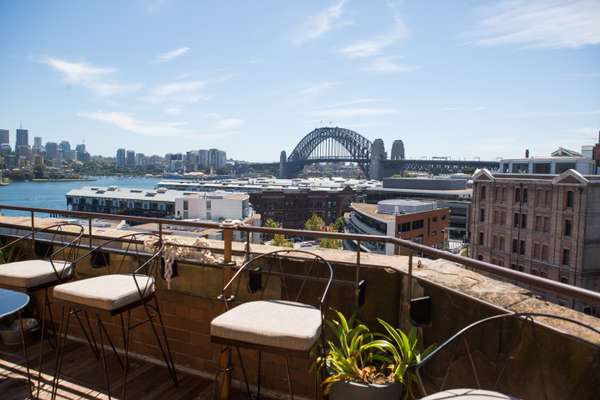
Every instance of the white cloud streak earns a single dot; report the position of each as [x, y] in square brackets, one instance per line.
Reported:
[375, 45]
[129, 123]
[351, 112]
[313, 91]
[321, 23]
[89, 76]
[171, 55]
[548, 23]
[389, 64]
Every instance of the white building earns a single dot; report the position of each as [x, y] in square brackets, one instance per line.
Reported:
[212, 206]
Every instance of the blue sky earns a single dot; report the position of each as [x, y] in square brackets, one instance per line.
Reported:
[450, 78]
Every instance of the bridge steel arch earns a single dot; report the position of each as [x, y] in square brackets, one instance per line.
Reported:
[357, 146]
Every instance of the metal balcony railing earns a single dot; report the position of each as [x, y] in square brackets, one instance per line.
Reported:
[586, 296]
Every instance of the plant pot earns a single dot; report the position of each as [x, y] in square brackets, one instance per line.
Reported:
[11, 335]
[362, 391]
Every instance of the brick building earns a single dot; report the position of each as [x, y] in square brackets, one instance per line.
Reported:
[419, 221]
[545, 225]
[293, 208]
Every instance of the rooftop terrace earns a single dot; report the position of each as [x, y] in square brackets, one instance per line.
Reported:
[540, 357]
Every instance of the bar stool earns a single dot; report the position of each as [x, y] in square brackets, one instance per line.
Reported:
[116, 294]
[39, 275]
[285, 327]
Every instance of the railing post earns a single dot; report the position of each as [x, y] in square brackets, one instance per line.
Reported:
[410, 280]
[33, 231]
[225, 367]
[357, 276]
[160, 239]
[90, 231]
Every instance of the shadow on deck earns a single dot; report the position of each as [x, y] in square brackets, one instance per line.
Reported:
[82, 377]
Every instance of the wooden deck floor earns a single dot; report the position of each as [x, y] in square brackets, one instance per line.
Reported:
[82, 377]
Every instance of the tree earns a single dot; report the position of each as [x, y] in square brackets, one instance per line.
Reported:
[314, 223]
[278, 239]
[339, 224]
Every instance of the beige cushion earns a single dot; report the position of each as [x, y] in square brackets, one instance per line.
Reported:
[468, 394]
[273, 323]
[31, 273]
[106, 292]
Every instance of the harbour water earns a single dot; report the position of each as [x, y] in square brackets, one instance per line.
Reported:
[52, 194]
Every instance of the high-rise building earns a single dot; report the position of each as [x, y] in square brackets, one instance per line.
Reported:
[140, 160]
[80, 148]
[65, 148]
[216, 158]
[51, 150]
[22, 137]
[4, 136]
[121, 158]
[541, 224]
[130, 159]
[37, 144]
[203, 159]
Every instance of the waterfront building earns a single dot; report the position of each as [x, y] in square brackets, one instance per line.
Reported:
[542, 224]
[120, 159]
[420, 221]
[65, 148]
[130, 159]
[216, 158]
[51, 150]
[81, 154]
[203, 159]
[160, 203]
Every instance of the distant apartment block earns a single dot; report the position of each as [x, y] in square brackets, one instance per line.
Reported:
[4, 136]
[545, 225]
[419, 221]
[120, 159]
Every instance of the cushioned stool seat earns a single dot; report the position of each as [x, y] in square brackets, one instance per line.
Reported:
[272, 323]
[106, 292]
[468, 394]
[32, 273]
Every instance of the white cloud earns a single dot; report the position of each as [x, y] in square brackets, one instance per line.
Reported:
[313, 91]
[349, 112]
[376, 44]
[548, 23]
[170, 55]
[129, 123]
[89, 76]
[321, 23]
[354, 102]
[228, 124]
[389, 64]
[180, 91]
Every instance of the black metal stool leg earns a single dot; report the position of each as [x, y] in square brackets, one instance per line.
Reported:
[166, 354]
[287, 371]
[62, 338]
[258, 375]
[125, 331]
[25, 353]
[103, 356]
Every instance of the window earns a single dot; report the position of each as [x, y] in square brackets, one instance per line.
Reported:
[524, 197]
[185, 205]
[497, 194]
[539, 222]
[539, 198]
[501, 243]
[570, 196]
[495, 243]
[513, 266]
[482, 192]
[480, 258]
[405, 227]
[434, 219]
[546, 224]
[516, 220]
[522, 248]
[503, 217]
[482, 215]
[515, 245]
[548, 199]
[536, 250]
[208, 204]
[517, 195]
[495, 218]
[524, 221]
[544, 252]
[481, 237]
[567, 229]
[417, 224]
[566, 257]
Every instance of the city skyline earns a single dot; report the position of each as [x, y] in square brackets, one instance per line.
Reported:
[454, 80]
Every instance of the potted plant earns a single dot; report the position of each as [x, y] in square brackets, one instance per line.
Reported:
[361, 364]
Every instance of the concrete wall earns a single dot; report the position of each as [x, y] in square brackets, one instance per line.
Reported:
[549, 359]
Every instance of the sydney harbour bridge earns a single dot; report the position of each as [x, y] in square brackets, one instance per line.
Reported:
[335, 144]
